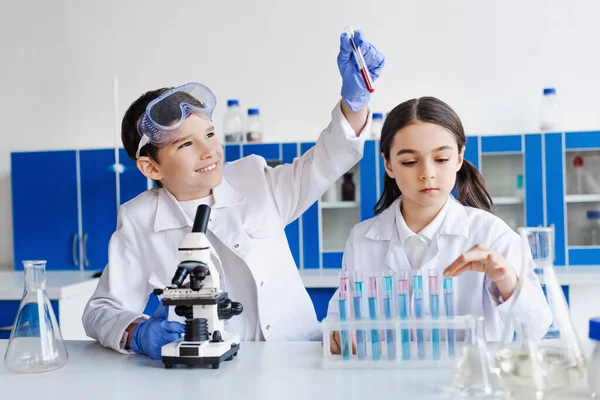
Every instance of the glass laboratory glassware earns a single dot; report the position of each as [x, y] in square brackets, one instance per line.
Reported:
[475, 376]
[553, 362]
[36, 344]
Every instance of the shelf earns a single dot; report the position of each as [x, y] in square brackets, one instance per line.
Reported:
[339, 204]
[582, 198]
[505, 200]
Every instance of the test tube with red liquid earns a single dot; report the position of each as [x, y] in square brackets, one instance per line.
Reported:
[362, 66]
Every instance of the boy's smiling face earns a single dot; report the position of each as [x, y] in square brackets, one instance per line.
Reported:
[192, 165]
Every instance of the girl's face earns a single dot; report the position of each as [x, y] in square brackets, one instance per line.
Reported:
[424, 160]
[191, 166]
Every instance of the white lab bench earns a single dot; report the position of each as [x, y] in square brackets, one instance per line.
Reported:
[262, 370]
[583, 283]
[70, 290]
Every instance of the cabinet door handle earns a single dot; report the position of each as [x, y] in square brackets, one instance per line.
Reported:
[75, 262]
[6, 328]
[85, 259]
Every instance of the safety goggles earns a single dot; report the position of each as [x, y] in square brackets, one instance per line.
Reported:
[166, 114]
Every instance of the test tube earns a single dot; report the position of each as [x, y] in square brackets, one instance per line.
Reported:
[418, 299]
[388, 310]
[360, 61]
[373, 314]
[403, 312]
[449, 304]
[343, 303]
[434, 311]
[361, 349]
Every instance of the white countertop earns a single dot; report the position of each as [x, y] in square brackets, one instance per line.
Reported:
[580, 275]
[274, 370]
[59, 284]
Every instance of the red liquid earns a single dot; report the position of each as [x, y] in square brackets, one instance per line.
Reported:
[363, 73]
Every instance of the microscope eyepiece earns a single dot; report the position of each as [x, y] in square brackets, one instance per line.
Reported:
[201, 219]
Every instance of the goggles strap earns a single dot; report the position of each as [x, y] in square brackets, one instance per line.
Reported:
[143, 141]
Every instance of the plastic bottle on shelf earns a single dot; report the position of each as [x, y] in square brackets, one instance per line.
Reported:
[376, 126]
[520, 190]
[254, 128]
[584, 181]
[233, 123]
[593, 228]
[331, 195]
[348, 188]
[549, 111]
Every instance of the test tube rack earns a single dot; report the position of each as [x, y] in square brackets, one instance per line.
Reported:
[448, 355]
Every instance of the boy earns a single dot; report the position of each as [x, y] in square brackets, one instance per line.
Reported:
[170, 135]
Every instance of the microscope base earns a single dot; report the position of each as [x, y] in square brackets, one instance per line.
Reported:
[198, 353]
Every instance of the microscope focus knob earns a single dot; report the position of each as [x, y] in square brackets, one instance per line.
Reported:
[236, 308]
[228, 309]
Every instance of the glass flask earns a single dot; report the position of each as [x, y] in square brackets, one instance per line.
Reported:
[475, 375]
[36, 344]
[533, 365]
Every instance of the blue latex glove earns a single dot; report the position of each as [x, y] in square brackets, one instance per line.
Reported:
[354, 90]
[149, 336]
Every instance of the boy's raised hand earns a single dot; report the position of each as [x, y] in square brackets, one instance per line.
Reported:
[354, 91]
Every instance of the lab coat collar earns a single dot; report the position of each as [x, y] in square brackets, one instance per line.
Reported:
[169, 214]
[455, 222]
[427, 233]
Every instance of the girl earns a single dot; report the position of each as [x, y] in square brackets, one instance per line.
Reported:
[419, 225]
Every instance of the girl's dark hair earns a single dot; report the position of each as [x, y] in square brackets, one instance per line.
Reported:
[469, 182]
[169, 110]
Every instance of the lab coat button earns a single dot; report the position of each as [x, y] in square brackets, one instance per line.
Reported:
[262, 283]
[226, 322]
[235, 246]
[268, 327]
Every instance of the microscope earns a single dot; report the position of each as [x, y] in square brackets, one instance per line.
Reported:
[201, 302]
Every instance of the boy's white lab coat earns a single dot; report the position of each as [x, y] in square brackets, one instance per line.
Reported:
[251, 209]
[374, 244]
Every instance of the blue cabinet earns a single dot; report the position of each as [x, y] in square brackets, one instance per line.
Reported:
[67, 215]
[45, 208]
[566, 205]
[8, 314]
[99, 200]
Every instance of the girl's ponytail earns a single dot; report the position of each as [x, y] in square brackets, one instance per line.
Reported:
[471, 189]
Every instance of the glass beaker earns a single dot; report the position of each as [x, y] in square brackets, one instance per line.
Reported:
[475, 375]
[552, 362]
[36, 344]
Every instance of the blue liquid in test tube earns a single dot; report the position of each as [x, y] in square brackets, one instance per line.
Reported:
[449, 303]
[344, 292]
[388, 310]
[403, 312]
[434, 311]
[373, 314]
[361, 347]
[418, 298]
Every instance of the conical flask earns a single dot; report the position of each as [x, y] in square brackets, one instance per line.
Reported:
[555, 361]
[36, 344]
[475, 376]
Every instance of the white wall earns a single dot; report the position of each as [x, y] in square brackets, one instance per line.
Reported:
[487, 59]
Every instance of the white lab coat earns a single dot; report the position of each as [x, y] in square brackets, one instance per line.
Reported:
[251, 209]
[374, 245]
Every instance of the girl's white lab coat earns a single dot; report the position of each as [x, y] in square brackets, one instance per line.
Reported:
[374, 244]
[251, 208]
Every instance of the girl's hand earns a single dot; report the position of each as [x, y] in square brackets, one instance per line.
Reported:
[334, 340]
[480, 258]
